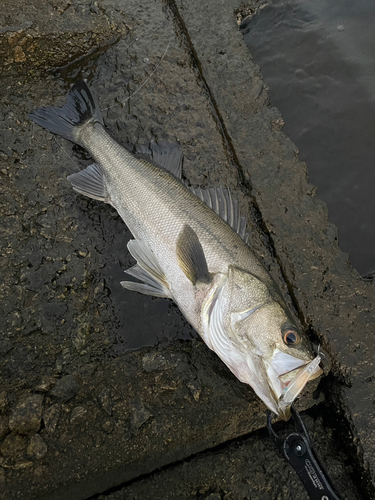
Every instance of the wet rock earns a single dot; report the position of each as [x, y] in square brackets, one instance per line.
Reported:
[46, 384]
[106, 401]
[77, 413]
[56, 35]
[4, 426]
[154, 361]
[36, 448]
[139, 413]
[51, 417]
[27, 414]
[66, 388]
[13, 444]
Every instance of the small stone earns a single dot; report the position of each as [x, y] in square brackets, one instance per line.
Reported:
[278, 124]
[50, 418]
[228, 496]
[12, 444]
[23, 41]
[77, 413]
[195, 388]
[66, 388]
[106, 401]
[27, 414]
[46, 384]
[108, 425]
[4, 426]
[19, 55]
[23, 465]
[140, 414]
[154, 361]
[13, 38]
[36, 448]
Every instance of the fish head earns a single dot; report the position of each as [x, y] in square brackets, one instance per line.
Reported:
[253, 332]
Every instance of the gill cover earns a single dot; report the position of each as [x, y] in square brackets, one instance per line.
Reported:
[243, 322]
[235, 299]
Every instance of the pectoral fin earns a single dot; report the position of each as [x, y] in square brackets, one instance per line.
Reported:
[191, 257]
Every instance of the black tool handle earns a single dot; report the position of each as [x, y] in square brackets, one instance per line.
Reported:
[299, 454]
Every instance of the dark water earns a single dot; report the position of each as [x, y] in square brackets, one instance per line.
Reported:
[318, 58]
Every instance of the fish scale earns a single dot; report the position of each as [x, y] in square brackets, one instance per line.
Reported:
[137, 198]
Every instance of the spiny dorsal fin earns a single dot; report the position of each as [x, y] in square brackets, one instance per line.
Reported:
[167, 155]
[90, 182]
[147, 270]
[191, 257]
[222, 203]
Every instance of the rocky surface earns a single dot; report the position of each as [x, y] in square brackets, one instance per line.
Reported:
[40, 35]
[25, 416]
[234, 471]
[100, 385]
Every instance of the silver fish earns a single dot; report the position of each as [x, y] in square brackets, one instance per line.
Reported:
[189, 246]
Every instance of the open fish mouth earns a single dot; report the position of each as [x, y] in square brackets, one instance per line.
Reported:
[286, 384]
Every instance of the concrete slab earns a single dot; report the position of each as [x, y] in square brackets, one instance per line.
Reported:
[234, 471]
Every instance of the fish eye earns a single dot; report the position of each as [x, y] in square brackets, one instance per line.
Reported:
[291, 337]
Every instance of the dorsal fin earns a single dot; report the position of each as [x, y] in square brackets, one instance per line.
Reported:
[222, 203]
[167, 155]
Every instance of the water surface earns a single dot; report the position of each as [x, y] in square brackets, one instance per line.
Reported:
[317, 57]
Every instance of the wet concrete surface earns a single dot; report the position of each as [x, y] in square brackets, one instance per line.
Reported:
[234, 471]
[101, 386]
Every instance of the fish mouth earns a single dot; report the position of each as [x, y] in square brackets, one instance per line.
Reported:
[287, 377]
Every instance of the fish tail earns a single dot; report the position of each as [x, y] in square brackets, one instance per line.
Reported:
[67, 121]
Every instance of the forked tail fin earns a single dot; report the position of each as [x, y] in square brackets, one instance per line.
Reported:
[79, 109]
